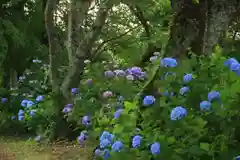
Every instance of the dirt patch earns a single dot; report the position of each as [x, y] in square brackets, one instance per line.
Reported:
[25, 150]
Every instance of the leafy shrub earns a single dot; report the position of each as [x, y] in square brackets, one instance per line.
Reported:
[193, 115]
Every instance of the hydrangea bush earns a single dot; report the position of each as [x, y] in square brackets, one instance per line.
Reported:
[193, 115]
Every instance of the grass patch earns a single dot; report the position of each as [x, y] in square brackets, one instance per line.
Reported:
[12, 148]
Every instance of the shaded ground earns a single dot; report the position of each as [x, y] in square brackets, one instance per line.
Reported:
[19, 149]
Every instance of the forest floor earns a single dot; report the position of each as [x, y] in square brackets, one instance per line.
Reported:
[12, 148]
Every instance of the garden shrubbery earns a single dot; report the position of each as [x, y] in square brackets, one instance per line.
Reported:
[193, 115]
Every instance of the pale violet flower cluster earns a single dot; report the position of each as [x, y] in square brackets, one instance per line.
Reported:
[133, 73]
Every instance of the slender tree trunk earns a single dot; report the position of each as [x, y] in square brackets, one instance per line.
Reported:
[13, 78]
[59, 125]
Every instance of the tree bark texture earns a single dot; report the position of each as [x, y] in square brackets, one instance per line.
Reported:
[83, 52]
[52, 40]
[58, 123]
[198, 26]
[76, 14]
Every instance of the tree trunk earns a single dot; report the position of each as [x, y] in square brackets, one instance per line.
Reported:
[184, 27]
[59, 124]
[77, 11]
[220, 14]
[198, 26]
[83, 52]
[13, 78]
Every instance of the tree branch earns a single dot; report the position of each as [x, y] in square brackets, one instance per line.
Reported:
[140, 16]
[95, 54]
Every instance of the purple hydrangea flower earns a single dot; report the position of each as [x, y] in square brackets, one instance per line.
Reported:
[109, 74]
[86, 120]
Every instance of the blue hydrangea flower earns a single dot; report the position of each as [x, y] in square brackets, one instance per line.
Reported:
[237, 158]
[213, 96]
[205, 105]
[24, 103]
[4, 100]
[32, 113]
[107, 135]
[117, 146]
[148, 100]
[117, 113]
[229, 61]
[74, 91]
[168, 62]
[136, 141]
[106, 154]
[234, 66]
[155, 148]
[30, 103]
[184, 90]
[187, 78]
[21, 112]
[105, 143]
[86, 120]
[39, 98]
[20, 118]
[178, 113]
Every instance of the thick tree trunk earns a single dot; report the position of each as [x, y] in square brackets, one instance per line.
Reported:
[184, 27]
[220, 14]
[198, 26]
